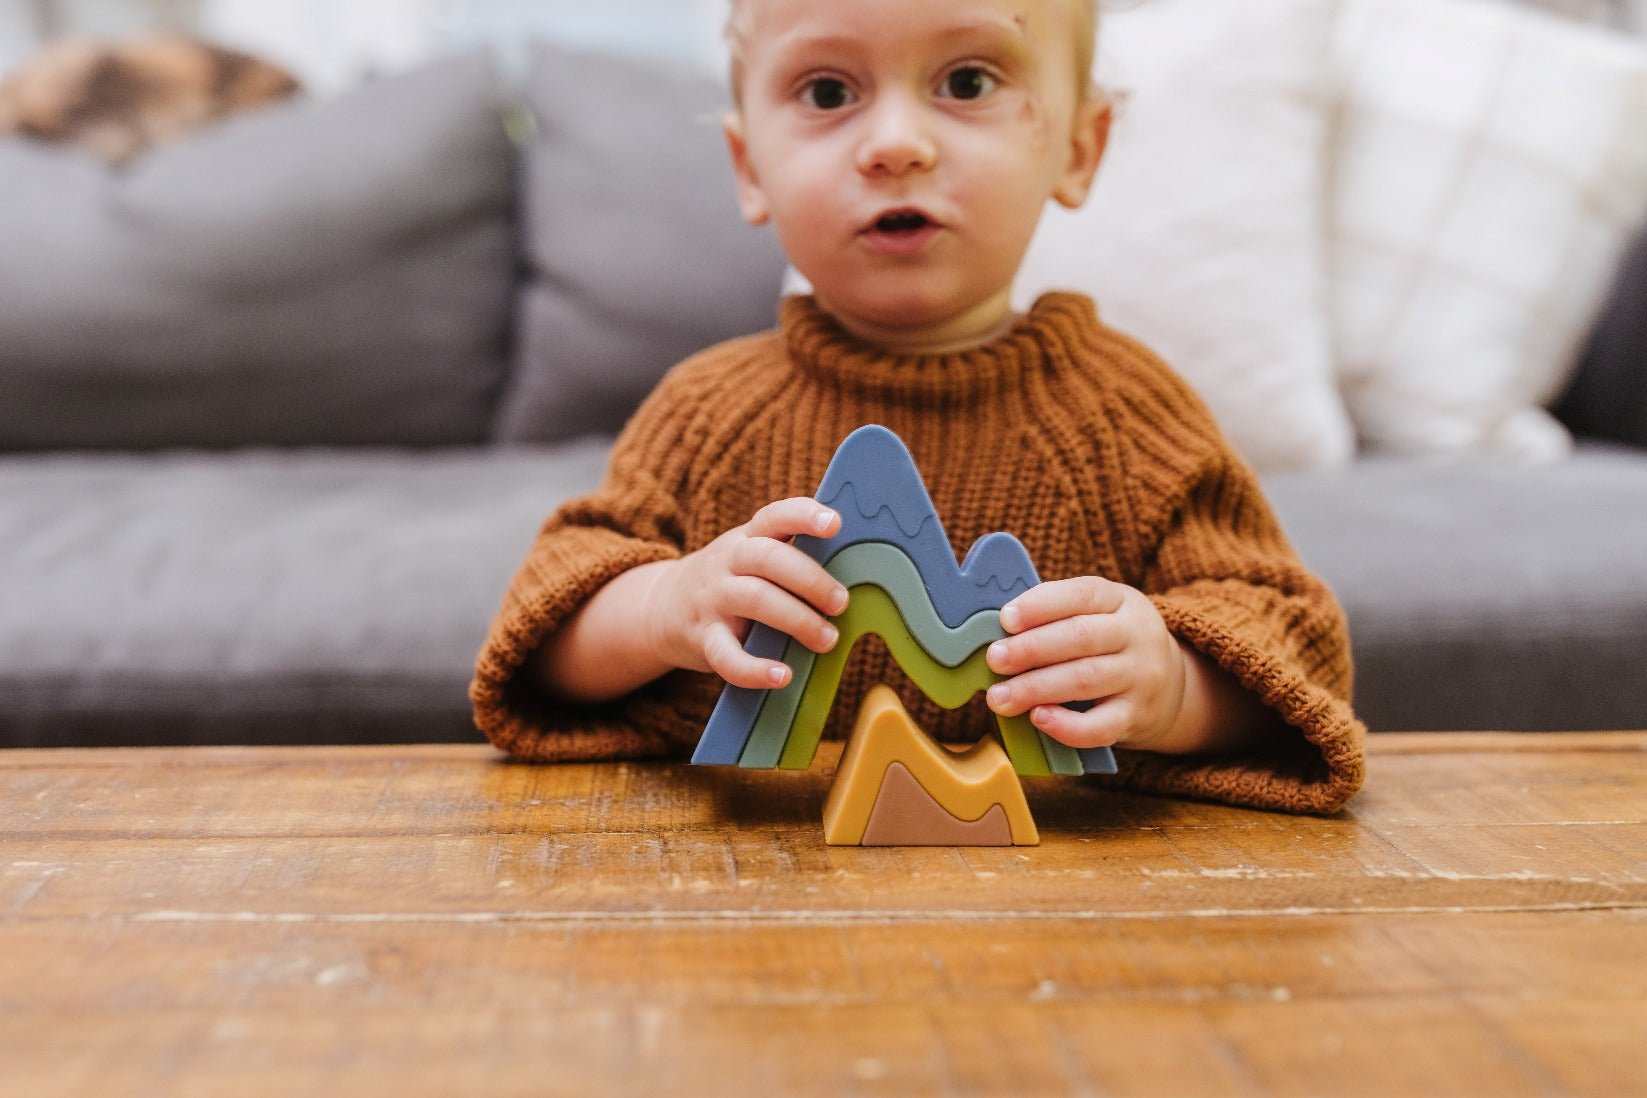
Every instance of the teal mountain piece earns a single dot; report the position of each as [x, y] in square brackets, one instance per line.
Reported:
[873, 482]
[886, 567]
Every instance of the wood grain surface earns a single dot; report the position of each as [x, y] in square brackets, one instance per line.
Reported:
[435, 920]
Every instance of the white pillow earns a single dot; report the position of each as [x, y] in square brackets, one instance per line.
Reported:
[1202, 236]
[1491, 165]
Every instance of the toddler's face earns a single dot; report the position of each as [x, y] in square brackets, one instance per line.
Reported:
[905, 149]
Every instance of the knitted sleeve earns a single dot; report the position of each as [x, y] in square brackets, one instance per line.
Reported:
[1213, 559]
[633, 518]
[1226, 581]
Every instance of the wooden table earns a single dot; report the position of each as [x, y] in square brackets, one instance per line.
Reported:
[420, 920]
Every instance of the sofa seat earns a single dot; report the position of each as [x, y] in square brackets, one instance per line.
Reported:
[289, 596]
[1483, 595]
[260, 596]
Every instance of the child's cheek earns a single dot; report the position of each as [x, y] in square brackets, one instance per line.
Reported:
[1035, 117]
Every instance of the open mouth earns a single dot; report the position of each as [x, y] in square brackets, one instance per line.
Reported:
[902, 221]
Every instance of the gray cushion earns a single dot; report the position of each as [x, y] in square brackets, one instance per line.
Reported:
[1608, 397]
[341, 596]
[260, 596]
[1486, 596]
[321, 272]
[637, 254]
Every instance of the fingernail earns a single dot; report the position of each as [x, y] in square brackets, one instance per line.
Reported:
[777, 675]
[820, 521]
[839, 600]
[997, 651]
[1039, 714]
[999, 693]
[831, 635]
[1009, 617]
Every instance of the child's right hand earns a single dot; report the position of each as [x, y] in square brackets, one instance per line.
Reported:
[703, 605]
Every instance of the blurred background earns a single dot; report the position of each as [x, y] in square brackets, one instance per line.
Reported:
[328, 43]
[289, 380]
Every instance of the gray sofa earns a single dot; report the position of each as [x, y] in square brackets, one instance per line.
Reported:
[282, 406]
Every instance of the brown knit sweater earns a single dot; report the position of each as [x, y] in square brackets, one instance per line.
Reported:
[1063, 431]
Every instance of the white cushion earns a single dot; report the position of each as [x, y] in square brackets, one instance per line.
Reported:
[1491, 165]
[1202, 236]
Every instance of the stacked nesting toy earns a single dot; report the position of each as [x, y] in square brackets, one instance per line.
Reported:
[896, 786]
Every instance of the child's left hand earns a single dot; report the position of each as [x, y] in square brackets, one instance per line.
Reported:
[1088, 638]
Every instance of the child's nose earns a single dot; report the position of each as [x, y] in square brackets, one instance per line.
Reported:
[896, 141]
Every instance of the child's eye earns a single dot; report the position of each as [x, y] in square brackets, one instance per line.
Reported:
[826, 93]
[967, 82]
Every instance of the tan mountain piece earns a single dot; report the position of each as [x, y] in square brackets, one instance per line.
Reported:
[965, 784]
[906, 815]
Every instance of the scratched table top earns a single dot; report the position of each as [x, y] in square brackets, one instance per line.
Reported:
[428, 920]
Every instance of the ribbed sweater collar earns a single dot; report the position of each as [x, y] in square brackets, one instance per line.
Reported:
[819, 346]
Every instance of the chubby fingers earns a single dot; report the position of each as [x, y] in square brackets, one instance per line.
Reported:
[1085, 679]
[770, 581]
[1064, 637]
[1065, 643]
[724, 652]
[780, 563]
[1059, 599]
[1057, 642]
[786, 518]
[1101, 726]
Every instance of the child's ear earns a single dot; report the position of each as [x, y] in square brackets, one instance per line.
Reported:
[751, 199]
[1087, 141]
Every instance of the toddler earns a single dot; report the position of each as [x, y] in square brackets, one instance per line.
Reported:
[904, 150]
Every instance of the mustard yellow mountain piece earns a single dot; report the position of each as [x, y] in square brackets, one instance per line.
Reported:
[966, 784]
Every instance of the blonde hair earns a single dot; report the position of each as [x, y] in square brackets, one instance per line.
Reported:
[1086, 33]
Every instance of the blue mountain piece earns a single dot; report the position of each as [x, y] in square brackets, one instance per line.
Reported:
[873, 482]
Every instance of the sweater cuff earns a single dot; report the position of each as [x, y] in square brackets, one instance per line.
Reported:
[515, 713]
[1315, 768]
